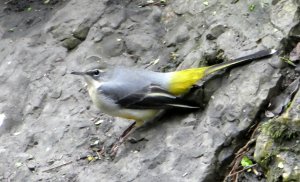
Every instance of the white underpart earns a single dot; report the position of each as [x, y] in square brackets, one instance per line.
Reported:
[136, 79]
[108, 106]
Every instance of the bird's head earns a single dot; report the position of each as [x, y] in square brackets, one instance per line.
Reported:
[93, 77]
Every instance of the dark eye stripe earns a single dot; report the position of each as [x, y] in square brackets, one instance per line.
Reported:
[94, 72]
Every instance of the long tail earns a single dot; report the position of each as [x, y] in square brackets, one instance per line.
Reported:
[248, 58]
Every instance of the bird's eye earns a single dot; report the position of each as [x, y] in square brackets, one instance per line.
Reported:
[96, 72]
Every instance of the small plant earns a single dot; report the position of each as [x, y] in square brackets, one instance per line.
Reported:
[288, 61]
[246, 163]
[251, 7]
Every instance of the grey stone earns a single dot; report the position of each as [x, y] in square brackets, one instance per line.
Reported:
[71, 43]
[115, 17]
[81, 33]
[31, 166]
[112, 45]
[138, 43]
[280, 15]
[156, 14]
[63, 23]
[215, 32]
[193, 7]
[48, 111]
[178, 34]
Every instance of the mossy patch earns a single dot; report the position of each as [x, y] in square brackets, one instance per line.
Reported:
[280, 130]
[278, 149]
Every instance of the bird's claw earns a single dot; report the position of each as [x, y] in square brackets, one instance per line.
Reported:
[114, 150]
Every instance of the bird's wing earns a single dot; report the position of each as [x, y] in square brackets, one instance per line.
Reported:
[148, 97]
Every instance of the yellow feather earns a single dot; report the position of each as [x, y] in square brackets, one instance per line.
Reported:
[182, 81]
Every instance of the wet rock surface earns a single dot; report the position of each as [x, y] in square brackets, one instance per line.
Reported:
[46, 116]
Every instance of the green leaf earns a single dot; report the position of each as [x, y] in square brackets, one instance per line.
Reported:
[246, 162]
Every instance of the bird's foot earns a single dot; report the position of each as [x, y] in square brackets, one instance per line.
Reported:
[122, 139]
[114, 150]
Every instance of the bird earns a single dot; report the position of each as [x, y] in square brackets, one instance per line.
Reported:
[139, 94]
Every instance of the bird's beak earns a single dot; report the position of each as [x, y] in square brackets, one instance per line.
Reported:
[87, 78]
[77, 73]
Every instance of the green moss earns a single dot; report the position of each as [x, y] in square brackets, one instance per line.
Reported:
[279, 136]
[280, 131]
[278, 147]
[266, 160]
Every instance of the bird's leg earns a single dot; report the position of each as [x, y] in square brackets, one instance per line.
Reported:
[129, 130]
[123, 138]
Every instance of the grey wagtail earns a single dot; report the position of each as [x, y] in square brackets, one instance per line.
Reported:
[140, 94]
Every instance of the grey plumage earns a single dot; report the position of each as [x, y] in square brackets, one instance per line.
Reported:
[141, 94]
[140, 89]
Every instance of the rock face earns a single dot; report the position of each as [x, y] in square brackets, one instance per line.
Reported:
[45, 113]
[278, 148]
